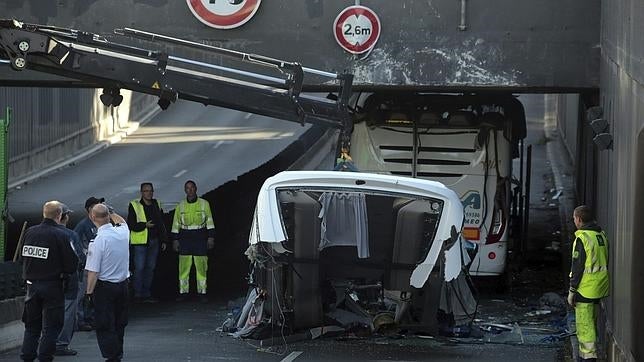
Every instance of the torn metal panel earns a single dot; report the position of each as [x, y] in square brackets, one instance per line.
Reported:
[457, 299]
[349, 319]
[455, 257]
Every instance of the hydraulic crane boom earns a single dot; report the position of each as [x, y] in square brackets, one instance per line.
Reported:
[92, 58]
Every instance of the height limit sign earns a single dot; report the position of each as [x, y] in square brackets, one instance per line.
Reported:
[357, 29]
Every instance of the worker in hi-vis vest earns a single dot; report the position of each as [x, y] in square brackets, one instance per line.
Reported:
[147, 234]
[193, 231]
[589, 280]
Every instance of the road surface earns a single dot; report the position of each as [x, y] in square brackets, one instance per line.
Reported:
[209, 145]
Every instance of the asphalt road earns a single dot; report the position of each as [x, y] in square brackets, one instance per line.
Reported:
[188, 332]
[209, 145]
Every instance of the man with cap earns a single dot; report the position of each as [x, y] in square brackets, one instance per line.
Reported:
[71, 292]
[86, 231]
[48, 256]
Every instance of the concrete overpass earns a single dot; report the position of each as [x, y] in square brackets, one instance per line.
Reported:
[441, 44]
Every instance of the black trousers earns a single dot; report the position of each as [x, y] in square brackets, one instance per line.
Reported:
[111, 314]
[43, 316]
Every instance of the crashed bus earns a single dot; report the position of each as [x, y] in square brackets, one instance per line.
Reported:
[466, 142]
[354, 250]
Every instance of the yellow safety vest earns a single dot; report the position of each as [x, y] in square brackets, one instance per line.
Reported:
[594, 282]
[192, 216]
[140, 237]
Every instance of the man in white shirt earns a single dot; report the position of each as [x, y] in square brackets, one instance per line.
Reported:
[107, 268]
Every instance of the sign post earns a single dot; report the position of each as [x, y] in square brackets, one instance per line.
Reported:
[357, 29]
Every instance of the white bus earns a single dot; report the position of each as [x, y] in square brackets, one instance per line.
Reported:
[465, 142]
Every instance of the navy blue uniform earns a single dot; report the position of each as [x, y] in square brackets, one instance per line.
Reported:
[47, 257]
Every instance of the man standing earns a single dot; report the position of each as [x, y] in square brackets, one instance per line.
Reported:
[147, 230]
[193, 231]
[107, 268]
[589, 280]
[48, 256]
[71, 292]
[86, 231]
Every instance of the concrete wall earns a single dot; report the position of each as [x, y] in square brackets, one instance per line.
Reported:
[622, 99]
[606, 180]
[616, 187]
[548, 44]
[611, 182]
[568, 113]
[52, 126]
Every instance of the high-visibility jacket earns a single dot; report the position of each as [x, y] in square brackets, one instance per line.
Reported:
[192, 216]
[594, 282]
[140, 237]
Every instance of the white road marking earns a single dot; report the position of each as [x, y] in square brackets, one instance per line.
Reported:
[292, 356]
[219, 143]
[248, 115]
[226, 358]
[180, 173]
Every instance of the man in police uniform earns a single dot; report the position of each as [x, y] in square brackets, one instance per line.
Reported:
[48, 256]
[147, 230]
[194, 234]
[107, 268]
[589, 280]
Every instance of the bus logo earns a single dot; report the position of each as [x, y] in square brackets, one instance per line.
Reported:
[472, 207]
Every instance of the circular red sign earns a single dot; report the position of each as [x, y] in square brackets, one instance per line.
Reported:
[224, 14]
[357, 29]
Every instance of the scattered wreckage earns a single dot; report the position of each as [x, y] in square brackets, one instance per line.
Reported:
[349, 251]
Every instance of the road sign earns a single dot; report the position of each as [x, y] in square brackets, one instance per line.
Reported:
[357, 29]
[224, 14]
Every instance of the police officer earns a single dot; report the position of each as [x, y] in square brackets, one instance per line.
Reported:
[48, 256]
[108, 261]
[194, 234]
[589, 280]
[147, 231]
